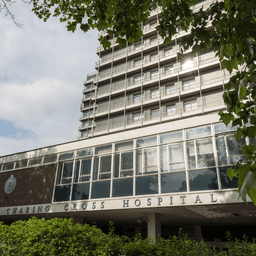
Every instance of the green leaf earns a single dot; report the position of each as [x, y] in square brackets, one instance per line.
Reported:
[230, 173]
[248, 150]
[226, 118]
[251, 131]
[229, 50]
[167, 40]
[243, 92]
[238, 134]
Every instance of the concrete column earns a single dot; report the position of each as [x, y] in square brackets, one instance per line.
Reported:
[198, 232]
[154, 225]
[78, 219]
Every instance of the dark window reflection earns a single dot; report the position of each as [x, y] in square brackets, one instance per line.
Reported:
[203, 179]
[225, 181]
[147, 185]
[80, 191]
[123, 187]
[62, 193]
[221, 151]
[100, 189]
[173, 182]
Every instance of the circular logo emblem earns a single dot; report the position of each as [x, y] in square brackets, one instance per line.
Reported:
[10, 185]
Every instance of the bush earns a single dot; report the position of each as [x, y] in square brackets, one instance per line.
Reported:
[60, 237]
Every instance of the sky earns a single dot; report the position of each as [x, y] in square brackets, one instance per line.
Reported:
[42, 70]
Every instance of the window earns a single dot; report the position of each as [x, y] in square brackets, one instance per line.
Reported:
[168, 51]
[86, 114]
[138, 79]
[154, 93]
[85, 124]
[154, 74]
[172, 158]
[200, 153]
[168, 69]
[146, 161]
[190, 105]
[64, 173]
[123, 164]
[137, 46]
[170, 89]
[137, 98]
[153, 40]
[84, 134]
[171, 110]
[153, 57]
[137, 62]
[188, 84]
[138, 117]
[155, 113]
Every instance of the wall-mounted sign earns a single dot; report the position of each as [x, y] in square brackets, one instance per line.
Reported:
[9, 185]
[193, 199]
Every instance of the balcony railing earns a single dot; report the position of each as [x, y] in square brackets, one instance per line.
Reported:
[164, 114]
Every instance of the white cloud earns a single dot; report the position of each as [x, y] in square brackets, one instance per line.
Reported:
[46, 66]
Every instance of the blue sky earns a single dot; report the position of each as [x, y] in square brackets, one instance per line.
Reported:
[42, 70]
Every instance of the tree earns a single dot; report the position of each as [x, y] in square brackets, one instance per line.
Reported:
[5, 5]
[231, 36]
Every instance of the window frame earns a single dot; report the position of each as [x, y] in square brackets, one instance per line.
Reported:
[154, 110]
[190, 102]
[138, 114]
[191, 84]
[170, 107]
[154, 93]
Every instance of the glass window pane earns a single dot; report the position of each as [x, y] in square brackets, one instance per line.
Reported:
[122, 187]
[203, 179]
[67, 170]
[173, 182]
[223, 128]
[86, 166]
[8, 166]
[95, 168]
[191, 155]
[138, 162]
[103, 149]
[225, 181]
[124, 145]
[85, 152]
[221, 151]
[150, 160]
[127, 161]
[146, 141]
[66, 156]
[100, 189]
[235, 149]
[116, 165]
[104, 176]
[77, 165]
[81, 191]
[176, 153]
[50, 158]
[205, 155]
[198, 132]
[147, 185]
[85, 178]
[105, 165]
[60, 166]
[62, 193]
[163, 159]
[171, 137]
[34, 161]
[21, 164]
